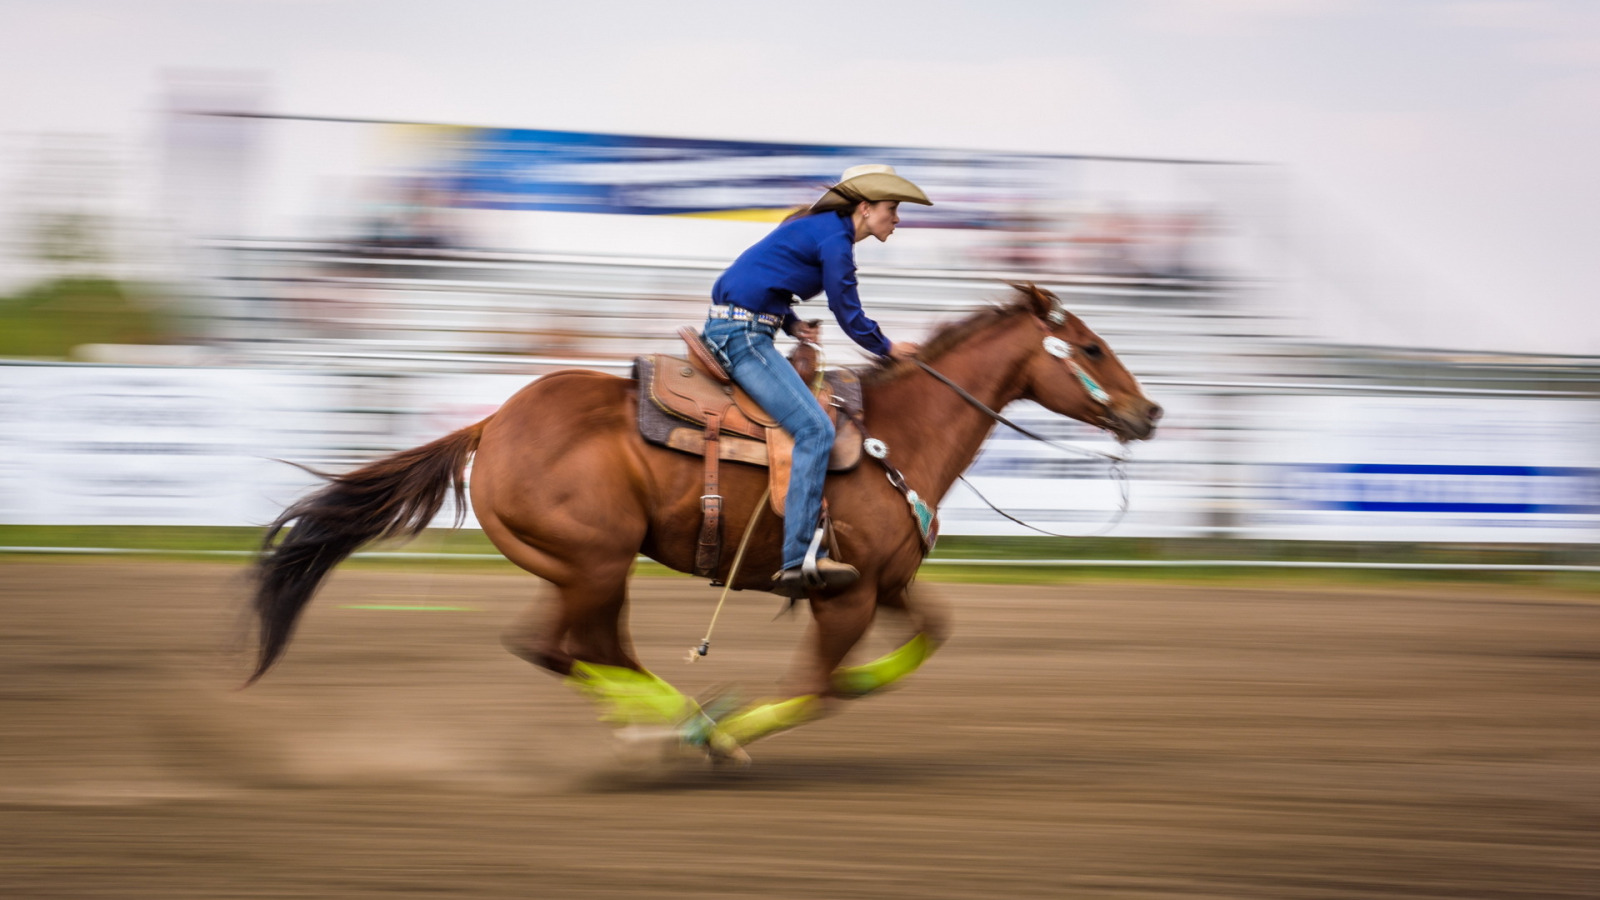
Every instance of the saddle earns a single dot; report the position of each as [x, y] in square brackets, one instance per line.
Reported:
[690, 405]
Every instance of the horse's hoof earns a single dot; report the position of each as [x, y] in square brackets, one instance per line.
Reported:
[722, 750]
[728, 758]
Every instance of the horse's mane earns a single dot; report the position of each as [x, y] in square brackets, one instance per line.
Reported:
[946, 337]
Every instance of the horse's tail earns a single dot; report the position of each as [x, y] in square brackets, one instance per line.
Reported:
[394, 496]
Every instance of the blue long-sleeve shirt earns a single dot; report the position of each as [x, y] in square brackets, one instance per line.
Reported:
[800, 259]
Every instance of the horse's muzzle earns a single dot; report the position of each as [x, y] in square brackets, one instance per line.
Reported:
[1137, 422]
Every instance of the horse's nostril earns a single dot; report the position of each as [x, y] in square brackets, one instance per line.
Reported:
[1154, 415]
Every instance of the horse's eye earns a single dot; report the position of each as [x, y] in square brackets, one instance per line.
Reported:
[1092, 351]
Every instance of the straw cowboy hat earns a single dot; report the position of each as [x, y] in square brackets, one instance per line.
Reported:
[872, 183]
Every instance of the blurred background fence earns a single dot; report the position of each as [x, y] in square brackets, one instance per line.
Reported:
[331, 337]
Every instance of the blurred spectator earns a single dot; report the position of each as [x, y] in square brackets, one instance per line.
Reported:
[1100, 240]
[1172, 244]
[411, 213]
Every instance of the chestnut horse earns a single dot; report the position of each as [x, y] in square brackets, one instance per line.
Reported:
[566, 488]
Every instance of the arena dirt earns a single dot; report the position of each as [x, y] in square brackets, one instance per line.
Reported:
[1121, 741]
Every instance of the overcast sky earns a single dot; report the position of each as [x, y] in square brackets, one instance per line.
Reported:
[1458, 137]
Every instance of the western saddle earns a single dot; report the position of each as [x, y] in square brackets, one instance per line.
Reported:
[691, 405]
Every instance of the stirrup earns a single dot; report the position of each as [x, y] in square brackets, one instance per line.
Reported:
[829, 575]
[808, 568]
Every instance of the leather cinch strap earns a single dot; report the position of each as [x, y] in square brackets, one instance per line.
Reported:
[708, 552]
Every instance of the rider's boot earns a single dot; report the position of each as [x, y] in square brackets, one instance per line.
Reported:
[830, 575]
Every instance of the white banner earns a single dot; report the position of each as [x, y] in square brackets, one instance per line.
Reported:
[173, 446]
[1369, 468]
[91, 445]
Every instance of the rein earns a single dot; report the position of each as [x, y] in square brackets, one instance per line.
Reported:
[993, 414]
[1118, 471]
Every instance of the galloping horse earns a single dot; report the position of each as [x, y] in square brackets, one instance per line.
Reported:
[565, 486]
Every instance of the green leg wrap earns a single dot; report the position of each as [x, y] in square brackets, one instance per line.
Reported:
[763, 719]
[859, 681]
[628, 696]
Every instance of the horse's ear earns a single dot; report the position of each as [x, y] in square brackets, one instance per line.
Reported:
[1040, 300]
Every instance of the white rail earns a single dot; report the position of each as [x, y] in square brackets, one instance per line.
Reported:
[1001, 563]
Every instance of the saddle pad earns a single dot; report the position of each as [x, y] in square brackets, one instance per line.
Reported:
[674, 414]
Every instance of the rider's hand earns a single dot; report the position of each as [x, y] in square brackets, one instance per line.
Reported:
[807, 332]
[903, 349]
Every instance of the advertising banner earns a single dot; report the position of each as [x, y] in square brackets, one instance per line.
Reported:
[586, 172]
[174, 446]
[1425, 469]
[89, 445]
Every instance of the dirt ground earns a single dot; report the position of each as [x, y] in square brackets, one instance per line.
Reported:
[1122, 741]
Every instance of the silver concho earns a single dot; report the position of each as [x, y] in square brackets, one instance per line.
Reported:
[875, 448]
[1057, 347]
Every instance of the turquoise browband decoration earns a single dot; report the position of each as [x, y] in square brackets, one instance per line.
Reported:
[1063, 351]
[1095, 390]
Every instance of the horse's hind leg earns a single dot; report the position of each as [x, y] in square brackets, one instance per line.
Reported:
[571, 624]
[579, 634]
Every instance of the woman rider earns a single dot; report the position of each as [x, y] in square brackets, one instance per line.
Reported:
[812, 251]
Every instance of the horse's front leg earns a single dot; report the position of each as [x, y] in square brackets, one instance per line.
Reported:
[930, 627]
[838, 623]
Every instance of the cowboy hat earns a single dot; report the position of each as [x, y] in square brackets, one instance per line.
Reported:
[871, 183]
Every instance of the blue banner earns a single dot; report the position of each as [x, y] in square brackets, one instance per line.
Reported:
[1370, 487]
[566, 171]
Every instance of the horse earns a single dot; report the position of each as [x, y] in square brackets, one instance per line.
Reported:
[566, 488]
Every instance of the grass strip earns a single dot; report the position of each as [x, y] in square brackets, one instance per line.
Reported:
[985, 558]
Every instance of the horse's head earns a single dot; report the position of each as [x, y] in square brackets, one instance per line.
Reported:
[1074, 373]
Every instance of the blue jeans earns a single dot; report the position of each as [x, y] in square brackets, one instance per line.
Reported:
[752, 361]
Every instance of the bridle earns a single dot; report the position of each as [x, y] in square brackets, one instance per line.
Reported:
[1061, 350]
[1117, 471]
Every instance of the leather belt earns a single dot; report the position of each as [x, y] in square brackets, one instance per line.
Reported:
[740, 314]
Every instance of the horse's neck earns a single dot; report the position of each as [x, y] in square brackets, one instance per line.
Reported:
[932, 432]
